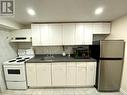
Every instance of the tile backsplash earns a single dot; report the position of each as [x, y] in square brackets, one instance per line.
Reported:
[55, 49]
[52, 50]
[47, 49]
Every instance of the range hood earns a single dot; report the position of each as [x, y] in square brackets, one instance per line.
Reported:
[21, 39]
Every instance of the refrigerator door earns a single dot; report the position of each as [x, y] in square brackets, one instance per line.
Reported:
[109, 77]
[112, 49]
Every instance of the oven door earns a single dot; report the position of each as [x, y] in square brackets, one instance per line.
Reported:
[14, 73]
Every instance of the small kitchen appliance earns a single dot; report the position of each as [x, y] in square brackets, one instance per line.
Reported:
[81, 52]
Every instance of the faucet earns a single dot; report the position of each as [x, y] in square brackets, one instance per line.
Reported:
[50, 51]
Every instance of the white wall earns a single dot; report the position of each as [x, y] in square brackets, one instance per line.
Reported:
[6, 51]
[9, 24]
[119, 31]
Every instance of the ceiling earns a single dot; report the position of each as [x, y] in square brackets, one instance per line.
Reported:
[68, 10]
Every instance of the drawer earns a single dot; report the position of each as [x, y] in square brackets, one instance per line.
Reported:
[16, 85]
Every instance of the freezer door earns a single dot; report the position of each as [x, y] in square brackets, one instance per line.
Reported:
[110, 72]
[112, 49]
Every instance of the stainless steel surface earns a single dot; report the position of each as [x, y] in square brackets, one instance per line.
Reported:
[112, 49]
[110, 70]
[110, 75]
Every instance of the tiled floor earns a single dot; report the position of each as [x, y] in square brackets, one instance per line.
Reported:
[58, 91]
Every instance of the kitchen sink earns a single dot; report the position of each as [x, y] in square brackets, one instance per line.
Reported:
[48, 58]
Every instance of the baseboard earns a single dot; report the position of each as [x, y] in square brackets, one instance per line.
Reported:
[123, 92]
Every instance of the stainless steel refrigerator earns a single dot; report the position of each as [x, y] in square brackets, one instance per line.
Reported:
[109, 55]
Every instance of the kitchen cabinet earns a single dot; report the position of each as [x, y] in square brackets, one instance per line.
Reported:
[69, 34]
[88, 34]
[81, 74]
[71, 74]
[44, 34]
[101, 28]
[91, 73]
[43, 74]
[79, 34]
[59, 74]
[55, 34]
[83, 34]
[31, 74]
[36, 35]
[51, 34]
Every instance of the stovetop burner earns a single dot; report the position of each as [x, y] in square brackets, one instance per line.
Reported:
[21, 60]
[12, 60]
[18, 58]
[27, 58]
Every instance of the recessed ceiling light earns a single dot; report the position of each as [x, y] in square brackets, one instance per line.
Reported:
[99, 10]
[31, 12]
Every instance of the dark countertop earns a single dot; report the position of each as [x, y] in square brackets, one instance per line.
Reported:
[58, 58]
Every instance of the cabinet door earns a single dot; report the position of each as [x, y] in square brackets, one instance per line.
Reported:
[101, 28]
[31, 74]
[88, 36]
[81, 74]
[71, 74]
[83, 35]
[43, 74]
[69, 34]
[91, 73]
[55, 34]
[36, 36]
[44, 33]
[58, 74]
[79, 34]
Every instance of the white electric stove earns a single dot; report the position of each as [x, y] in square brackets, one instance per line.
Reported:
[14, 69]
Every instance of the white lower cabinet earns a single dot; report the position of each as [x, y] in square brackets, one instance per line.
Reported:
[81, 74]
[43, 74]
[71, 74]
[58, 74]
[31, 74]
[63, 74]
[91, 73]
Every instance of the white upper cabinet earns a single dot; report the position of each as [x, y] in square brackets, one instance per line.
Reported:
[55, 34]
[36, 35]
[69, 34]
[83, 34]
[79, 34]
[101, 28]
[44, 34]
[88, 36]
